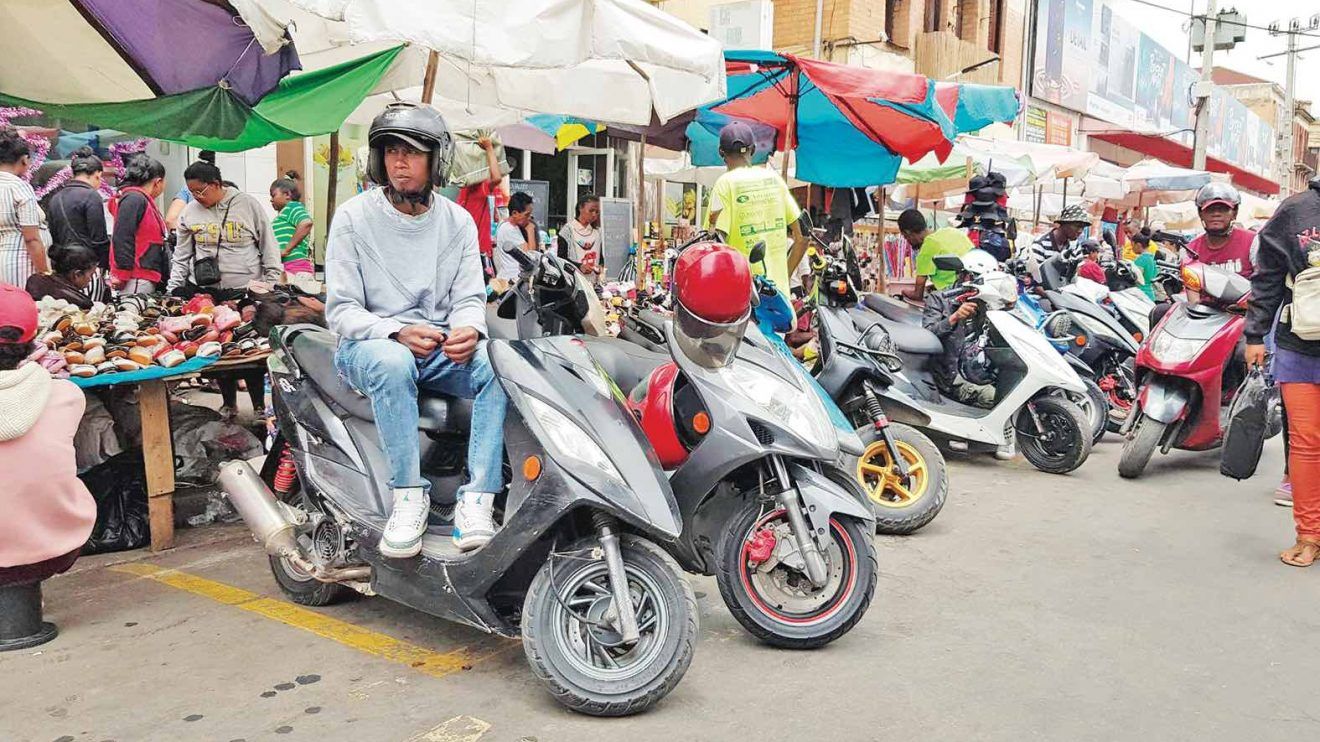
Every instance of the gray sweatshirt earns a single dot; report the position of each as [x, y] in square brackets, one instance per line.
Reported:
[247, 248]
[385, 269]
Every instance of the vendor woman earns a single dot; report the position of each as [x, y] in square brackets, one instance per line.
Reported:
[225, 237]
[74, 268]
[48, 512]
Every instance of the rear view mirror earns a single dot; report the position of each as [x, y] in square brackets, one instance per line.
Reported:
[757, 253]
[805, 220]
[948, 262]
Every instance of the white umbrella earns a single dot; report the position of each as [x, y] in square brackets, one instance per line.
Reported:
[618, 61]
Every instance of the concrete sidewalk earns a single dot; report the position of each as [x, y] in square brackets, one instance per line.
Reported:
[1081, 607]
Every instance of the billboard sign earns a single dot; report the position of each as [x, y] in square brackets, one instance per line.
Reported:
[1090, 59]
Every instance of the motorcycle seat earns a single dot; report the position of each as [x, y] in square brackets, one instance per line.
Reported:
[626, 363]
[892, 309]
[907, 338]
[314, 351]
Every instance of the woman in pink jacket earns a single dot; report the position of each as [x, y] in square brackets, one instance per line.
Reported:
[48, 513]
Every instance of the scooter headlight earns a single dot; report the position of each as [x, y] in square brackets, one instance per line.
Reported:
[796, 409]
[566, 439]
[1170, 349]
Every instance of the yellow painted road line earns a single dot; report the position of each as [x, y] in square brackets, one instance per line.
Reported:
[430, 662]
[457, 729]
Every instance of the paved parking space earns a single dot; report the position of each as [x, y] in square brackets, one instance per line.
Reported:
[1036, 607]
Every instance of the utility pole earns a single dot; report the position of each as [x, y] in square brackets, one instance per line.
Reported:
[1203, 89]
[1289, 109]
[815, 46]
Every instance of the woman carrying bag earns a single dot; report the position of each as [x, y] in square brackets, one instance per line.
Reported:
[1287, 275]
[225, 238]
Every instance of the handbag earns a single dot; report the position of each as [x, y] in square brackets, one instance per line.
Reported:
[206, 271]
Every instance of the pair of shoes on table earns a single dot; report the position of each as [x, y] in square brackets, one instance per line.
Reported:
[474, 523]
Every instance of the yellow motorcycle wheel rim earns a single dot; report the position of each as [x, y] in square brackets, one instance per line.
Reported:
[879, 476]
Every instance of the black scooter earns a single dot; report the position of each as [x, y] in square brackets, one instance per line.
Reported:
[768, 503]
[608, 622]
[901, 469]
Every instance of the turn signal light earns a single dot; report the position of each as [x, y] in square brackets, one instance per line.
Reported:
[531, 468]
[701, 423]
[1080, 340]
[1137, 336]
[841, 287]
[1191, 279]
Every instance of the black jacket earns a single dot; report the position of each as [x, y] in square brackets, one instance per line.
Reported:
[953, 336]
[1286, 240]
[77, 217]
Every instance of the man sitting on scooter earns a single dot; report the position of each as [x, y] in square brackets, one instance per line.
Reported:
[1223, 245]
[405, 294]
[958, 325]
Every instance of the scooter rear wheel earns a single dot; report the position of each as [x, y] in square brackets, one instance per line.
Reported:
[781, 607]
[573, 648]
[297, 585]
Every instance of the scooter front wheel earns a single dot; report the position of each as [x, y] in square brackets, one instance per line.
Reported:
[572, 643]
[1053, 434]
[766, 587]
[1139, 446]
[902, 504]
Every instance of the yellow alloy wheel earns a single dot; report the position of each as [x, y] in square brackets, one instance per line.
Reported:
[879, 476]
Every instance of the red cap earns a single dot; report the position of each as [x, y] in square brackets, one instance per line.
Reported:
[18, 310]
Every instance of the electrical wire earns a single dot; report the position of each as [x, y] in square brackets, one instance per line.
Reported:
[1243, 24]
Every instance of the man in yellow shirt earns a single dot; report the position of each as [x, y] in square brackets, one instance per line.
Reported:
[752, 204]
[930, 245]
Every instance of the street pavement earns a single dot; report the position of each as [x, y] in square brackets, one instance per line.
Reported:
[1080, 607]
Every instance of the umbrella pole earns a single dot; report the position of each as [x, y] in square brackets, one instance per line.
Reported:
[791, 130]
[640, 257]
[880, 244]
[332, 183]
[428, 80]
[1065, 193]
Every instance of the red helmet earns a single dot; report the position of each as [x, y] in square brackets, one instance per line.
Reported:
[713, 288]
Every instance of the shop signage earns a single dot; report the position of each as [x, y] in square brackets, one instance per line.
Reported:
[1058, 129]
[1090, 59]
[1036, 122]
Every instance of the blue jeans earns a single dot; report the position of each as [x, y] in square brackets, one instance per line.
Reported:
[390, 375]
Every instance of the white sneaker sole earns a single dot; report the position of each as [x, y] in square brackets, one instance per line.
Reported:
[471, 541]
[400, 552]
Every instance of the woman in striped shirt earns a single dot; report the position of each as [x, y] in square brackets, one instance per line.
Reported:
[292, 225]
[22, 251]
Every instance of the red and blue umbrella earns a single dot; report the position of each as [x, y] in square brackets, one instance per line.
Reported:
[850, 126]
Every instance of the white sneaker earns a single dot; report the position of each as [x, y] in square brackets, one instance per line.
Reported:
[474, 525]
[1008, 451]
[403, 533]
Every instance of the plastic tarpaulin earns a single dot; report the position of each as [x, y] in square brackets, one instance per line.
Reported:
[604, 60]
[301, 105]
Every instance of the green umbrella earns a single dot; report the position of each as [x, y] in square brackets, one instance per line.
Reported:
[302, 105]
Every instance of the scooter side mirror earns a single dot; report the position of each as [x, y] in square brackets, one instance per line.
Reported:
[756, 254]
[948, 262]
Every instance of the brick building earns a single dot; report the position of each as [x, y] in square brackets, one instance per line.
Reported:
[937, 38]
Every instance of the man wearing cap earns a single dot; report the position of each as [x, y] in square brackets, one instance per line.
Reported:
[752, 204]
[1067, 228]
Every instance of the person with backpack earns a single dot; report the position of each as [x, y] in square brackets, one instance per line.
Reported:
[138, 260]
[1287, 276]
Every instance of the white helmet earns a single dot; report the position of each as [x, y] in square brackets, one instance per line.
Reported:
[979, 261]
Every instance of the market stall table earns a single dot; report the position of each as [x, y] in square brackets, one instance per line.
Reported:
[157, 440]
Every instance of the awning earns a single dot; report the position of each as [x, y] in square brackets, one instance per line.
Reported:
[1179, 154]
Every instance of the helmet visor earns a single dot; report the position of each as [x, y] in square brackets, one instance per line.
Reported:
[708, 344]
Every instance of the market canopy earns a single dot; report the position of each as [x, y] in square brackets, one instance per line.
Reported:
[1156, 146]
[619, 61]
[214, 117]
[101, 51]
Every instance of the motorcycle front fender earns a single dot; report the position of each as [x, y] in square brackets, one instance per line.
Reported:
[824, 497]
[1162, 401]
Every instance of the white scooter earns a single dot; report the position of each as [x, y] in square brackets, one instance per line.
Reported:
[1032, 381]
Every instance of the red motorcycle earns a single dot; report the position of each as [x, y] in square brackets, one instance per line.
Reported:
[1188, 370]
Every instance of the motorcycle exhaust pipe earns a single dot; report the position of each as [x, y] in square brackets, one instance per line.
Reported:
[270, 522]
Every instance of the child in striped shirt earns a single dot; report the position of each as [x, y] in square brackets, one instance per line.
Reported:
[292, 225]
